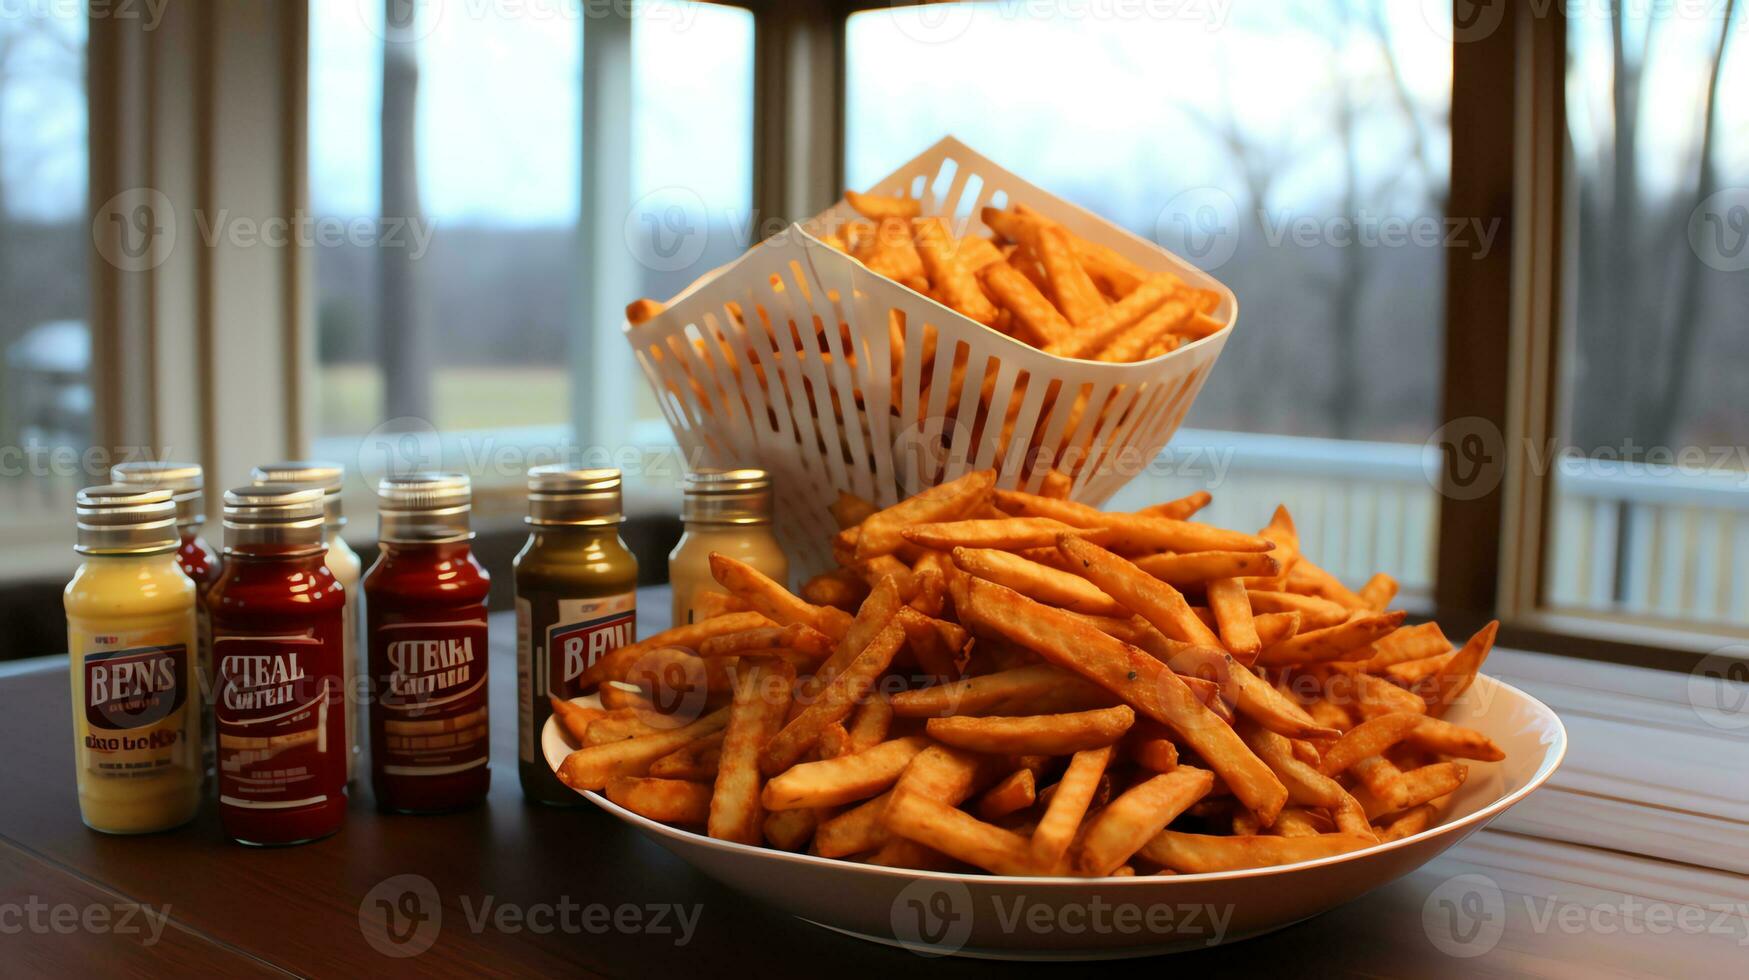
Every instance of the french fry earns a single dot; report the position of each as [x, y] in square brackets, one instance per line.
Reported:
[1232, 611]
[1456, 676]
[664, 800]
[640, 310]
[696, 762]
[1070, 798]
[1007, 534]
[1131, 820]
[1445, 738]
[959, 834]
[833, 704]
[762, 695]
[846, 779]
[1111, 322]
[882, 532]
[877, 206]
[1131, 533]
[1409, 643]
[773, 600]
[1041, 582]
[1034, 734]
[1346, 641]
[796, 636]
[1181, 509]
[614, 665]
[1315, 613]
[1040, 323]
[1071, 288]
[1378, 592]
[1155, 601]
[1016, 792]
[575, 718]
[982, 694]
[858, 829]
[1201, 567]
[840, 587]
[849, 510]
[591, 767]
[950, 278]
[1366, 739]
[1138, 679]
[1308, 579]
[1056, 485]
[1204, 854]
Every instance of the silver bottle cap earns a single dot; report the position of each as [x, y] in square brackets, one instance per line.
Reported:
[559, 495]
[330, 478]
[274, 515]
[185, 482]
[424, 508]
[123, 519]
[737, 496]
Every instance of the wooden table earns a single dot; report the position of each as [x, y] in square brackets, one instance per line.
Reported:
[312, 910]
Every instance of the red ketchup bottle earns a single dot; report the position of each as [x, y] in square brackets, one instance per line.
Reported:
[426, 608]
[278, 701]
[199, 562]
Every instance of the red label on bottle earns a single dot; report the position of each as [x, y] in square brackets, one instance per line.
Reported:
[134, 688]
[573, 647]
[281, 715]
[432, 694]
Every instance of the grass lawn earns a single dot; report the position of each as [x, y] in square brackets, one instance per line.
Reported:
[463, 398]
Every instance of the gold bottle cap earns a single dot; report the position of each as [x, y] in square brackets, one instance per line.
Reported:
[424, 508]
[559, 495]
[734, 496]
[274, 514]
[185, 481]
[123, 519]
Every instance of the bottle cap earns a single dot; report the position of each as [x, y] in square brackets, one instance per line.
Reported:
[737, 496]
[123, 519]
[424, 507]
[274, 514]
[559, 495]
[185, 482]
[330, 478]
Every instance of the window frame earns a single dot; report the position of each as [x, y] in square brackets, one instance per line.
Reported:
[170, 106]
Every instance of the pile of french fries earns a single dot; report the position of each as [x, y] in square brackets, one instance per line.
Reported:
[1025, 685]
[1033, 280]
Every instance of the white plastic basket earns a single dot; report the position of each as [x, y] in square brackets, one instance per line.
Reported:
[776, 387]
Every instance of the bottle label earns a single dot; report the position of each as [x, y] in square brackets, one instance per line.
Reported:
[587, 630]
[136, 702]
[280, 715]
[557, 638]
[525, 732]
[431, 693]
[135, 688]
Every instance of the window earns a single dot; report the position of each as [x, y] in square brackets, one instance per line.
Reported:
[447, 154]
[1314, 187]
[1651, 481]
[46, 406]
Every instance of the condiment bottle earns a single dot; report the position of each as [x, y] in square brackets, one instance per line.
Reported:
[278, 617]
[132, 638]
[728, 511]
[576, 600]
[429, 738]
[199, 562]
[330, 478]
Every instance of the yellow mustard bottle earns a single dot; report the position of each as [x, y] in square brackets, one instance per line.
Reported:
[725, 511]
[132, 642]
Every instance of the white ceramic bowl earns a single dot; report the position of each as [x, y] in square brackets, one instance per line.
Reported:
[1081, 918]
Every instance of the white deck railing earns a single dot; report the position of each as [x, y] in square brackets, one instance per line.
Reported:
[1627, 539]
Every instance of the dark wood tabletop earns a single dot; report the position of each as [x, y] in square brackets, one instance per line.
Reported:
[492, 889]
